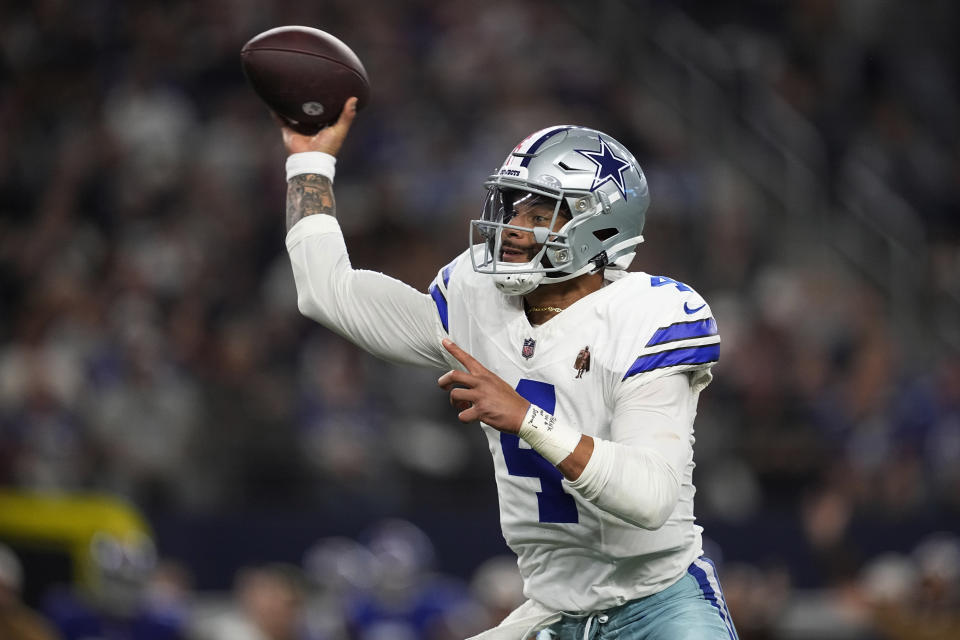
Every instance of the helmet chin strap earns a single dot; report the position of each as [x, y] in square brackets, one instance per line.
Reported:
[519, 279]
[591, 266]
[585, 269]
[517, 284]
[520, 284]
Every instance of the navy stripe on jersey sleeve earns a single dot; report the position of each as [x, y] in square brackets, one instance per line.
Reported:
[673, 357]
[441, 301]
[438, 291]
[684, 331]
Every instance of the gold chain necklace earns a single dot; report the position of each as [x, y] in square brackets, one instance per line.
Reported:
[554, 309]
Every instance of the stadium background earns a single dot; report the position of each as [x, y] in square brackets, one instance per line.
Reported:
[804, 163]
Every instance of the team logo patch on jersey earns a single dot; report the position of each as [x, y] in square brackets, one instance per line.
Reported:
[582, 363]
[529, 344]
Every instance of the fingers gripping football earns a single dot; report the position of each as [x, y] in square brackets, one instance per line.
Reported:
[479, 394]
[329, 139]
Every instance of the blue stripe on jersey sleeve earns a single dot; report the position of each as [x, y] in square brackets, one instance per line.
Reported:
[441, 302]
[684, 331]
[674, 357]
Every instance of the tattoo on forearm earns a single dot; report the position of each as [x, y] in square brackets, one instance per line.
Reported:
[309, 194]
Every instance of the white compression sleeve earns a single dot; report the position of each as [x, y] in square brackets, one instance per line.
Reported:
[637, 475]
[378, 313]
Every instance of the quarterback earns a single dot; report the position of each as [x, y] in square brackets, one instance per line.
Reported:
[584, 377]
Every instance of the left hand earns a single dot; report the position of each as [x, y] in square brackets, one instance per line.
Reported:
[481, 394]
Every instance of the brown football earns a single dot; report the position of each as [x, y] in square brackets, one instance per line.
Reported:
[304, 75]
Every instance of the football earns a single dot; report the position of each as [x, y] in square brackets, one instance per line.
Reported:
[304, 75]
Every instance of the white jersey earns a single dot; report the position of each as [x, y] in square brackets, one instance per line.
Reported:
[586, 365]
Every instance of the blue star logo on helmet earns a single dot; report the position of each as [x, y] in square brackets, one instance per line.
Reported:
[610, 166]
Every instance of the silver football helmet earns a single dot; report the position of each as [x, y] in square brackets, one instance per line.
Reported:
[594, 183]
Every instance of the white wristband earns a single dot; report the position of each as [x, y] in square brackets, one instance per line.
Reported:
[318, 162]
[548, 436]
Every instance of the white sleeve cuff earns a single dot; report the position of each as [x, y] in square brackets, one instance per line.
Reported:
[311, 226]
[316, 162]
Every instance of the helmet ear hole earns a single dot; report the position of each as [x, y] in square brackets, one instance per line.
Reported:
[604, 234]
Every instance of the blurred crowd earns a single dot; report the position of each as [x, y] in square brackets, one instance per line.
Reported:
[386, 585]
[383, 586]
[150, 345]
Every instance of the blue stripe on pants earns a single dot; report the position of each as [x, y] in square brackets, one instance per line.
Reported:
[693, 608]
[705, 574]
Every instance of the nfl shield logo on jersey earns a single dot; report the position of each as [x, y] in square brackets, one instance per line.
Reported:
[529, 345]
